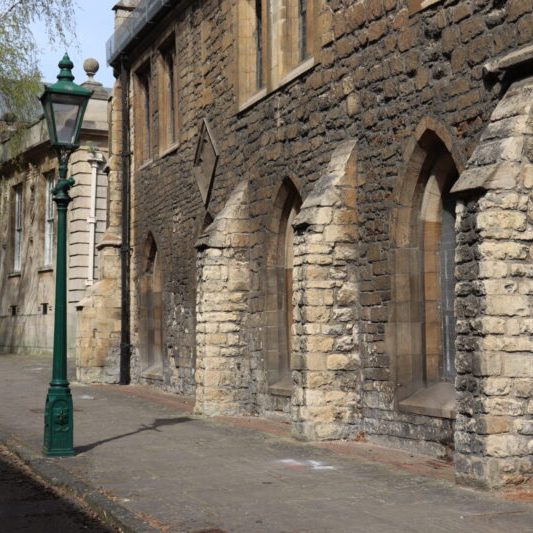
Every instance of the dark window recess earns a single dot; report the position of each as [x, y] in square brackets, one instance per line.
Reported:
[13, 310]
[302, 38]
[447, 259]
[169, 53]
[44, 308]
[258, 44]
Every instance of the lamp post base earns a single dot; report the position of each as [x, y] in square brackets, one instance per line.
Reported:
[58, 422]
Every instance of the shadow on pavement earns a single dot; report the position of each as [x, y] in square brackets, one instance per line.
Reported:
[154, 426]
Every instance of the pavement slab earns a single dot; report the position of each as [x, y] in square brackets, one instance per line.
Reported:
[144, 455]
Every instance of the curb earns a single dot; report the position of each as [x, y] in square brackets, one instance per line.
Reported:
[56, 476]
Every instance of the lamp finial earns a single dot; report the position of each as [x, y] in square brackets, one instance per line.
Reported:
[66, 66]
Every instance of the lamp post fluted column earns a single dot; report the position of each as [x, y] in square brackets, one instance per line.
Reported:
[58, 417]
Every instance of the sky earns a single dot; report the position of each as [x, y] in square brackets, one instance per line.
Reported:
[94, 26]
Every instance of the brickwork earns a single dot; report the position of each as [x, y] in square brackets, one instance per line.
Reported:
[385, 73]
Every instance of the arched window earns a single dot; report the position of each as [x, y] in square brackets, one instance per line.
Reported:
[422, 324]
[151, 330]
[279, 308]
[437, 243]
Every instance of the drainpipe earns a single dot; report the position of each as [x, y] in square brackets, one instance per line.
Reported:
[94, 159]
[125, 346]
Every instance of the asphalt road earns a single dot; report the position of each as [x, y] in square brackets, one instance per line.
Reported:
[26, 505]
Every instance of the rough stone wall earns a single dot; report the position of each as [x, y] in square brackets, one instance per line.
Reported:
[379, 71]
[222, 365]
[326, 401]
[494, 428]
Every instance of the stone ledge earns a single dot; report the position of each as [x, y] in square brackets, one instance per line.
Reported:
[281, 388]
[517, 59]
[437, 400]
[415, 6]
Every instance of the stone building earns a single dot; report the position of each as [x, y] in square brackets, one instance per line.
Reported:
[28, 171]
[328, 205]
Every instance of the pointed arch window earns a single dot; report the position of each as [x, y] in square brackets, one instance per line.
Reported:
[423, 297]
[151, 309]
[279, 306]
[437, 244]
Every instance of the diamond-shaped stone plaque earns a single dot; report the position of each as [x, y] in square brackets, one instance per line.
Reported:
[205, 161]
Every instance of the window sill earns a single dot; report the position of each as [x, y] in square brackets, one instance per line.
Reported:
[153, 372]
[170, 149]
[436, 400]
[145, 164]
[281, 388]
[252, 100]
[14, 274]
[44, 269]
[302, 68]
[296, 72]
[414, 6]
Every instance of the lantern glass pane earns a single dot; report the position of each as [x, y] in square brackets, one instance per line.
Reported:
[66, 115]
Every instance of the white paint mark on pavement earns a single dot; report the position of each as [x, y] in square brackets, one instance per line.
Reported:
[298, 466]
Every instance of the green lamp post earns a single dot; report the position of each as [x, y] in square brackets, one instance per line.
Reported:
[64, 105]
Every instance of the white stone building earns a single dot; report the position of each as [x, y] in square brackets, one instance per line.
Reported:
[28, 170]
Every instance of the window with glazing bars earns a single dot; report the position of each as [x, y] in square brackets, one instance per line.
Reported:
[167, 95]
[49, 220]
[274, 38]
[143, 113]
[17, 255]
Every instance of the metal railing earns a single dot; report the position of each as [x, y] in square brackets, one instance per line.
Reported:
[129, 30]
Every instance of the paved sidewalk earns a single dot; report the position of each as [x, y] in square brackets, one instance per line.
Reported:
[145, 462]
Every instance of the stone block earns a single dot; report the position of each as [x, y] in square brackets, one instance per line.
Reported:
[494, 269]
[495, 386]
[505, 445]
[507, 305]
[376, 30]
[492, 220]
[494, 325]
[519, 365]
[316, 313]
[339, 362]
[347, 294]
[524, 427]
[503, 250]
[340, 233]
[317, 380]
[504, 406]
[318, 297]
[317, 343]
[487, 424]
[487, 364]
[523, 388]
[517, 8]
[315, 361]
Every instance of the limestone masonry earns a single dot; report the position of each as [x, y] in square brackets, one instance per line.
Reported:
[330, 219]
